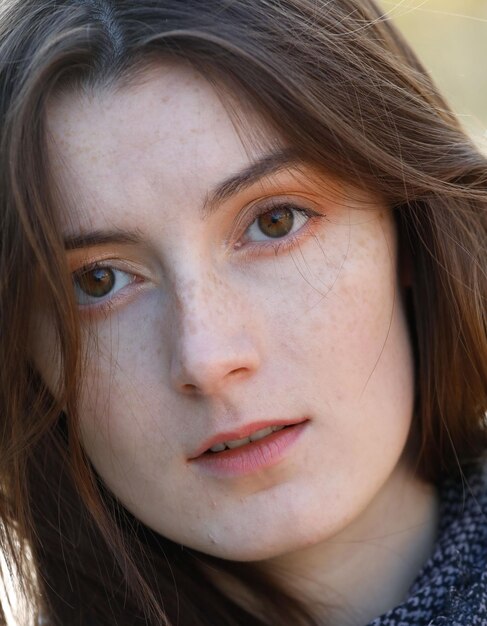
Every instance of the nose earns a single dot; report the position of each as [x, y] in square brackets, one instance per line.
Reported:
[215, 343]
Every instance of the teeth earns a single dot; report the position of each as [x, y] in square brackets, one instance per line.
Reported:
[260, 433]
[236, 443]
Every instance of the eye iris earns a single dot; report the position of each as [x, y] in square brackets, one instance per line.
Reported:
[97, 282]
[276, 223]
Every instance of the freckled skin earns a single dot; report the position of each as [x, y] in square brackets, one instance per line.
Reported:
[216, 340]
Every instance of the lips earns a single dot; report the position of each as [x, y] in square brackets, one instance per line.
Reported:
[240, 438]
[249, 457]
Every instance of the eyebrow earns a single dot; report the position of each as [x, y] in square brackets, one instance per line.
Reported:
[269, 164]
[102, 237]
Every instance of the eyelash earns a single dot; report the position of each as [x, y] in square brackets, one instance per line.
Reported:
[107, 302]
[248, 249]
[282, 244]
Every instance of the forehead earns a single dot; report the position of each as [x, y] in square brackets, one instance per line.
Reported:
[168, 125]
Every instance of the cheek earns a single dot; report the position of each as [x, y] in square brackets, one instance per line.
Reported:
[135, 430]
[339, 308]
[125, 414]
[345, 343]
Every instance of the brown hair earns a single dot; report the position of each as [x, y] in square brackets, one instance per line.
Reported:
[347, 93]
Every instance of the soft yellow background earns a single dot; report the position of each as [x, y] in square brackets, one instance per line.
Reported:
[450, 37]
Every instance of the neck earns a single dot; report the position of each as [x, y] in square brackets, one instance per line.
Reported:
[368, 567]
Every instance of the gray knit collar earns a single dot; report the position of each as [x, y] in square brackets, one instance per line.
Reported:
[451, 588]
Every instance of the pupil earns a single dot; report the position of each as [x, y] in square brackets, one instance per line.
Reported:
[276, 223]
[98, 282]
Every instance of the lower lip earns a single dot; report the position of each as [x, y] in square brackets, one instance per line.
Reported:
[251, 457]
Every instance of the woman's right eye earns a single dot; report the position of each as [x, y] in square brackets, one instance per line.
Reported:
[96, 284]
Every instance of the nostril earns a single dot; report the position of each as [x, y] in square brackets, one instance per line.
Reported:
[189, 388]
[238, 370]
[194, 389]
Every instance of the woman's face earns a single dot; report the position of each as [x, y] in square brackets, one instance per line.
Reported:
[228, 290]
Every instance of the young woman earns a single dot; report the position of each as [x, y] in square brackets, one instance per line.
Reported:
[243, 330]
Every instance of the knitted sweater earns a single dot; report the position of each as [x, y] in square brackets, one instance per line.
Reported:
[451, 588]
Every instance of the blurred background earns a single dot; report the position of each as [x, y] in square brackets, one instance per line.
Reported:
[450, 38]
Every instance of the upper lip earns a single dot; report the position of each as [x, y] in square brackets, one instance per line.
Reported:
[242, 432]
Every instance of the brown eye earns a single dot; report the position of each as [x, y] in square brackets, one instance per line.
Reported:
[276, 223]
[97, 285]
[281, 220]
[97, 282]
[92, 285]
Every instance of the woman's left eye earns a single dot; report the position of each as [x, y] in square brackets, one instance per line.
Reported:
[95, 284]
[278, 222]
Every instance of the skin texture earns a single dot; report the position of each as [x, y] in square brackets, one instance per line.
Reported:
[216, 326]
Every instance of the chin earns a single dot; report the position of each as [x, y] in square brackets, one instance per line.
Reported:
[273, 543]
